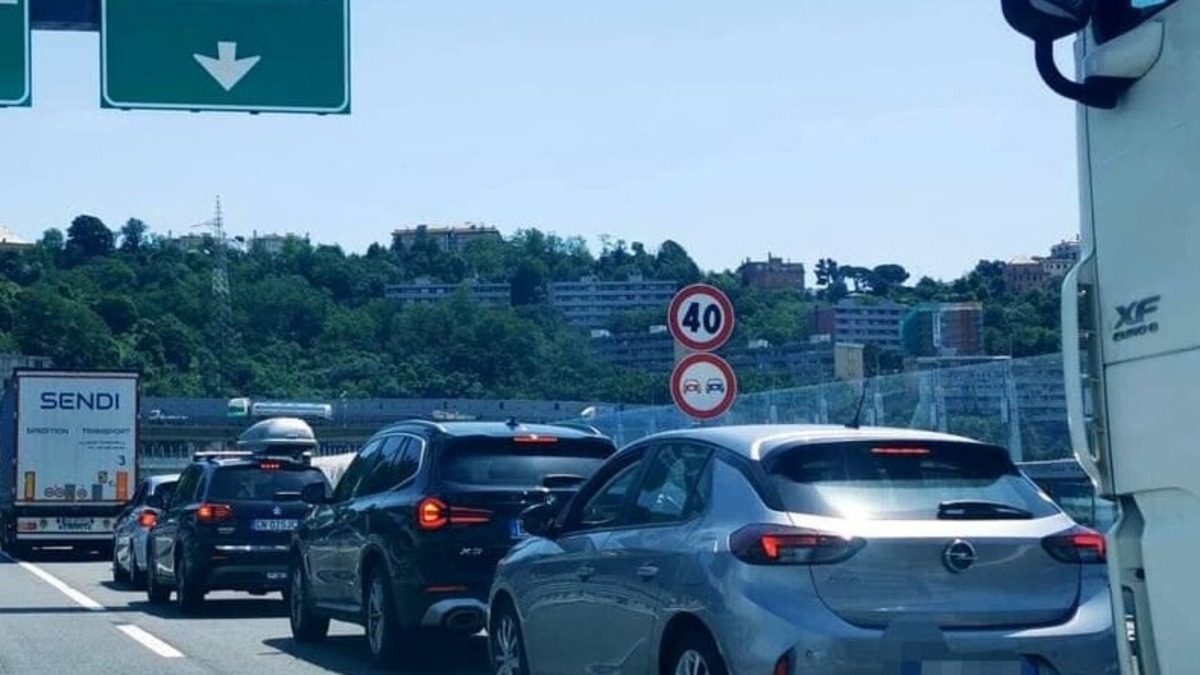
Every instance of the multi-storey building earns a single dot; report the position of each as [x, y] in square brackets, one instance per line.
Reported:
[272, 243]
[9, 241]
[773, 273]
[451, 239]
[650, 350]
[861, 320]
[426, 291]
[590, 303]
[1021, 274]
[943, 329]
[807, 362]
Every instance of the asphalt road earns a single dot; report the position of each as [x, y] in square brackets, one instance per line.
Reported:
[62, 614]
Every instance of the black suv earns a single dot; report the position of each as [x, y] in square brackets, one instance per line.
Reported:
[409, 540]
[228, 526]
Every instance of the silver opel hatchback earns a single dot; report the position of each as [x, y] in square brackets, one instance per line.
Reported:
[789, 550]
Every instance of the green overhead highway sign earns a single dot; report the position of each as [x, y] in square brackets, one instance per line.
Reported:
[288, 56]
[14, 53]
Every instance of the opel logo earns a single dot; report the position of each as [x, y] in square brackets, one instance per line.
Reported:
[959, 556]
[277, 511]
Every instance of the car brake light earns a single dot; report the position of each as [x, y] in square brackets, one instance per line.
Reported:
[213, 513]
[1077, 545]
[270, 466]
[784, 545]
[534, 438]
[433, 513]
[900, 451]
[147, 519]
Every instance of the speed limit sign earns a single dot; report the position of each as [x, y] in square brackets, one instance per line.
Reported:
[700, 317]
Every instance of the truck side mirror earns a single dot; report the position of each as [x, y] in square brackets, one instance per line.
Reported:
[1045, 21]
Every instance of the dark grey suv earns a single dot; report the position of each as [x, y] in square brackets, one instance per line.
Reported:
[408, 541]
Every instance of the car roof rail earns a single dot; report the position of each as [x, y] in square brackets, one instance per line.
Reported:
[211, 455]
[421, 419]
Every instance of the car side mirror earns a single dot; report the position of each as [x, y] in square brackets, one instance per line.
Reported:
[538, 520]
[315, 493]
[155, 501]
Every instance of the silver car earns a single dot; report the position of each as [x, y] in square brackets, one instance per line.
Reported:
[785, 550]
[133, 525]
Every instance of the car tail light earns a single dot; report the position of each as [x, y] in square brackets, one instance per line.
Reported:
[900, 451]
[270, 466]
[213, 513]
[147, 519]
[433, 513]
[784, 545]
[534, 438]
[1077, 545]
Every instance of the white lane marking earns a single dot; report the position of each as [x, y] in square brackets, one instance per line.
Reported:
[149, 641]
[79, 598]
[140, 636]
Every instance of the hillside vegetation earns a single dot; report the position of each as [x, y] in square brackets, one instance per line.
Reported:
[313, 321]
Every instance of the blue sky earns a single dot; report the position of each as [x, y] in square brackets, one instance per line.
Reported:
[914, 132]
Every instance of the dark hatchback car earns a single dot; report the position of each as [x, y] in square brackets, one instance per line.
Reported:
[408, 542]
[228, 526]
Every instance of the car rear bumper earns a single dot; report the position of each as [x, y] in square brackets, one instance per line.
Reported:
[461, 609]
[462, 614]
[814, 640]
[248, 567]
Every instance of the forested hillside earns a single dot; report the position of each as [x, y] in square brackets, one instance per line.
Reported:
[312, 321]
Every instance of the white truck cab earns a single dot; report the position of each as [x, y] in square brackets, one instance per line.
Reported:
[1131, 306]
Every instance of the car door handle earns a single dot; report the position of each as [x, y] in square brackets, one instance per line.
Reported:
[647, 572]
[585, 572]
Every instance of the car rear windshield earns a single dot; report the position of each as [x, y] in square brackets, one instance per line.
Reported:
[256, 484]
[510, 462]
[890, 480]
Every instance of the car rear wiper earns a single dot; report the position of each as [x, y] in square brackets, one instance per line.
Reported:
[967, 509]
[562, 480]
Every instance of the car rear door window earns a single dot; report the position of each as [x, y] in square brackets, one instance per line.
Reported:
[520, 462]
[899, 480]
[251, 483]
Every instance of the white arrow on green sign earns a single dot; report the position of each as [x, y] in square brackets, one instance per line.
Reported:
[248, 56]
[15, 89]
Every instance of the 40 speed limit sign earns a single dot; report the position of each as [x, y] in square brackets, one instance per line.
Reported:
[700, 317]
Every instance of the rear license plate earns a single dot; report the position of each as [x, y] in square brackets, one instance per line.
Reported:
[516, 528]
[274, 525]
[970, 668]
[74, 524]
